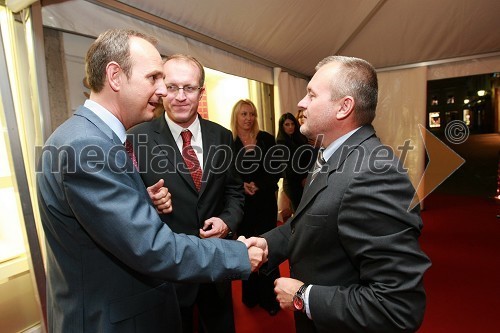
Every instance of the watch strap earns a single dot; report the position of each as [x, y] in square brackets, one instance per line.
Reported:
[298, 298]
[302, 290]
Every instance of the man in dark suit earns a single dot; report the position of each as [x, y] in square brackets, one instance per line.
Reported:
[213, 210]
[109, 255]
[355, 261]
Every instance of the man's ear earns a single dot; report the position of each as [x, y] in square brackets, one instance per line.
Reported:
[113, 71]
[202, 90]
[346, 108]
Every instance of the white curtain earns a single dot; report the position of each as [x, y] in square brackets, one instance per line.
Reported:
[288, 91]
[401, 108]
[464, 68]
[66, 15]
[292, 90]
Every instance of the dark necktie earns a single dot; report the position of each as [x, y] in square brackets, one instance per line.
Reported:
[130, 151]
[190, 158]
[318, 165]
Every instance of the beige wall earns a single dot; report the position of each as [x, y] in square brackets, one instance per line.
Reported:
[56, 77]
[18, 308]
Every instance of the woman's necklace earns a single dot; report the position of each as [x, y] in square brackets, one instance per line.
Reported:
[248, 140]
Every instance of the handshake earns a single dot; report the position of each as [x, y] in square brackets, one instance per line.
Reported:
[257, 251]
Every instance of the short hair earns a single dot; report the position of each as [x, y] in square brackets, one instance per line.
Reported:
[234, 117]
[192, 59]
[358, 79]
[111, 45]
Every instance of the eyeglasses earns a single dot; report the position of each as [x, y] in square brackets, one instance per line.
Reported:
[188, 90]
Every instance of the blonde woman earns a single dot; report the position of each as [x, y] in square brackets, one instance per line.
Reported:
[260, 184]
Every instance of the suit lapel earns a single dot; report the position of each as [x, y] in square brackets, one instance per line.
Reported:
[333, 164]
[209, 141]
[82, 111]
[108, 132]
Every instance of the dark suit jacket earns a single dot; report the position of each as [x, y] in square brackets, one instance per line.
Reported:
[354, 239]
[221, 194]
[108, 252]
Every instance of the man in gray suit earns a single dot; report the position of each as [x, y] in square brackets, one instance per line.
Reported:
[109, 255]
[352, 245]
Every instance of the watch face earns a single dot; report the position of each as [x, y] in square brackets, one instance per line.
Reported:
[298, 303]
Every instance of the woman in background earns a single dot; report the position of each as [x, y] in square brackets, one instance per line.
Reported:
[301, 156]
[260, 185]
[300, 117]
[315, 142]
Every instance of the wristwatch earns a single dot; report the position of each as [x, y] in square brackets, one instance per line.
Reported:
[298, 298]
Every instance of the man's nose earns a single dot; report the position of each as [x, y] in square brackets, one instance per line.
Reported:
[161, 90]
[181, 95]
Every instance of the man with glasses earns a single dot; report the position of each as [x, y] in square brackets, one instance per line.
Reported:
[194, 156]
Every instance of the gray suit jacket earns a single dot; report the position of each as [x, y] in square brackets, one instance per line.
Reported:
[109, 255]
[354, 239]
[221, 194]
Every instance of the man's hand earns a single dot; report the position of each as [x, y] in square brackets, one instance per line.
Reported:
[250, 188]
[256, 256]
[259, 242]
[214, 227]
[161, 197]
[285, 289]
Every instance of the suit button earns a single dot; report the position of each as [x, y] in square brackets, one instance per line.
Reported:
[293, 230]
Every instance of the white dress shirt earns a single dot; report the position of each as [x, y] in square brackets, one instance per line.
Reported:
[196, 140]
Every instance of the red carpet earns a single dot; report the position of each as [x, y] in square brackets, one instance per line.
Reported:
[462, 237]
[257, 319]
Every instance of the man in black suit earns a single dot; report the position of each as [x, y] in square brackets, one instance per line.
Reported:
[352, 245]
[215, 208]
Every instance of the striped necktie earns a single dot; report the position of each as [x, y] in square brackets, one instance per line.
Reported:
[318, 165]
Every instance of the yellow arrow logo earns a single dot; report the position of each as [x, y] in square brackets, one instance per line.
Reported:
[443, 162]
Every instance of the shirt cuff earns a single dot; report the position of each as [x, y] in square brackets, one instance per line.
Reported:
[306, 301]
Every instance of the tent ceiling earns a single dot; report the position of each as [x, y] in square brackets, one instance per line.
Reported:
[295, 34]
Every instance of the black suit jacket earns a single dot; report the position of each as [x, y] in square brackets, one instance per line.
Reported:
[221, 194]
[354, 239]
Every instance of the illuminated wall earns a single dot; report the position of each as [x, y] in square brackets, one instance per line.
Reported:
[223, 91]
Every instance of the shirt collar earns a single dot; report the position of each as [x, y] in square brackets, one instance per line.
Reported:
[330, 150]
[108, 118]
[176, 129]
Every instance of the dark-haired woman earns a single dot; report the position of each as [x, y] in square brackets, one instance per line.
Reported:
[301, 157]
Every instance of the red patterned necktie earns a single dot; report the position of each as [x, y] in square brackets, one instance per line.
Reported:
[130, 152]
[190, 159]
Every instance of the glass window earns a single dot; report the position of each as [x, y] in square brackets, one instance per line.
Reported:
[11, 236]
